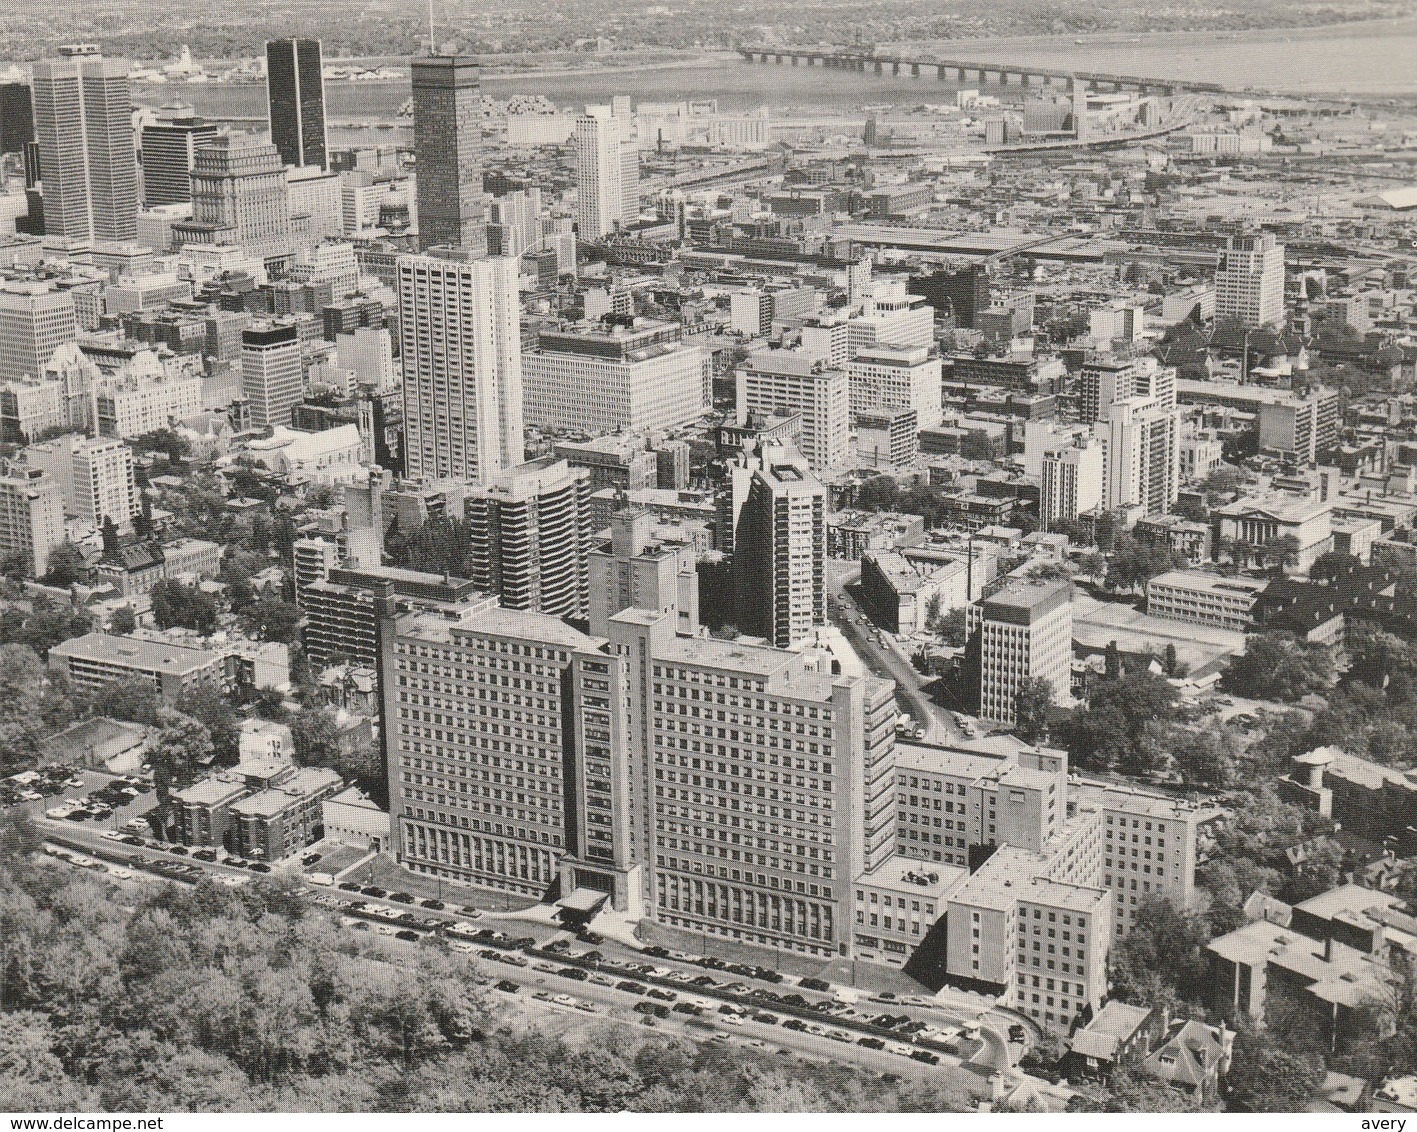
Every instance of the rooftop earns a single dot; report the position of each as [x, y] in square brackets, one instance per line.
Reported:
[132, 652]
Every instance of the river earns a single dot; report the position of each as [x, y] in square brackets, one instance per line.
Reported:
[1377, 58]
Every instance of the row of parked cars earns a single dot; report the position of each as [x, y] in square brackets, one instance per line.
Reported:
[33, 785]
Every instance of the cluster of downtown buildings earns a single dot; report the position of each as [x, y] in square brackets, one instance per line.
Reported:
[561, 720]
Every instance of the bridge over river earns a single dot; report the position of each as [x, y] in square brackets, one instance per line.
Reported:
[962, 69]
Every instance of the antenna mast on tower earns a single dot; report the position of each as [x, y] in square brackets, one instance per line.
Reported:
[432, 43]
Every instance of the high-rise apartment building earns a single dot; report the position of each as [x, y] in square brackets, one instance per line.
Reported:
[1071, 481]
[170, 147]
[1249, 280]
[35, 320]
[83, 118]
[1139, 427]
[447, 145]
[95, 477]
[776, 514]
[295, 99]
[1025, 632]
[1103, 381]
[789, 381]
[31, 514]
[601, 379]
[529, 531]
[272, 373]
[460, 339]
[607, 172]
[239, 198]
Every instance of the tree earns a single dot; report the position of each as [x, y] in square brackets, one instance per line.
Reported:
[1131, 1091]
[1267, 1076]
[132, 698]
[1204, 756]
[954, 628]
[1332, 564]
[181, 745]
[316, 738]
[1116, 729]
[1277, 666]
[878, 493]
[178, 605]
[123, 621]
[272, 620]
[213, 711]
[1032, 702]
[65, 566]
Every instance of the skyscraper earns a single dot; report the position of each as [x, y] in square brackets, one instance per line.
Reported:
[169, 151]
[1249, 280]
[240, 197]
[778, 524]
[607, 172]
[16, 117]
[460, 346]
[271, 373]
[447, 146]
[295, 97]
[83, 118]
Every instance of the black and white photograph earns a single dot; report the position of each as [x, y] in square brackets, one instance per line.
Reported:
[642, 557]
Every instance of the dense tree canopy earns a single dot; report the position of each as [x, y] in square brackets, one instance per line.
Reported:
[217, 1000]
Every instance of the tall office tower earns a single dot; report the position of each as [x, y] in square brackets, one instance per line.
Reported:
[607, 173]
[239, 198]
[891, 316]
[1080, 123]
[16, 117]
[170, 147]
[514, 222]
[1025, 631]
[460, 347]
[514, 812]
[960, 293]
[787, 381]
[83, 119]
[897, 377]
[272, 376]
[1103, 381]
[602, 379]
[1071, 481]
[638, 568]
[447, 146]
[805, 780]
[35, 320]
[31, 514]
[295, 97]
[777, 519]
[1249, 280]
[529, 531]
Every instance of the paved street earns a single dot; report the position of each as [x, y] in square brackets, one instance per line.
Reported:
[618, 1004]
[882, 659]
